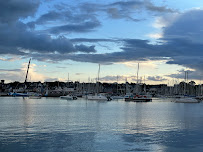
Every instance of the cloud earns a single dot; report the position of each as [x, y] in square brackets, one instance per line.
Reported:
[139, 5]
[155, 35]
[84, 48]
[184, 38]
[23, 41]
[78, 73]
[92, 40]
[125, 9]
[182, 46]
[192, 75]
[9, 58]
[9, 70]
[13, 10]
[51, 80]
[78, 28]
[181, 41]
[19, 74]
[156, 78]
[26, 41]
[110, 78]
[17, 38]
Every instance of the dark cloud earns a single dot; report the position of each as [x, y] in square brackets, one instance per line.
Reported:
[78, 28]
[67, 15]
[184, 38]
[92, 40]
[84, 48]
[51, 17]
[12, 10]
[17, 39]
[23, 39]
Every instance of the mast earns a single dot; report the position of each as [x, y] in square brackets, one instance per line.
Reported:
[27, 70]
[117, 85]
[97, 83]
[98, 73]
[137, 72]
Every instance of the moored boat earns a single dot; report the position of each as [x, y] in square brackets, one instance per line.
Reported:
[68, 97]
[138, 98]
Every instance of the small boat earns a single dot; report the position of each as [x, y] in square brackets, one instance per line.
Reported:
[186, 100]
[97, 95]
[68, 97]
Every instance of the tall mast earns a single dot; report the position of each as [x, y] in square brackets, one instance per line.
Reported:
[27, 70]
[97, 83]
[98, 72]
[117, 85]
[137, 72]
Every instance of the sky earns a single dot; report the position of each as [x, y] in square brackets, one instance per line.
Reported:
[67, 40]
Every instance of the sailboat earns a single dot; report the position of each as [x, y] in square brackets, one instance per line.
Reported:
[97, 95]
[138, 97]
[185, 98]
[22, 94]
[22, 91]
[117, 96]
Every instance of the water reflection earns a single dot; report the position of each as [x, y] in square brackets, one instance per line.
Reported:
[57, 125]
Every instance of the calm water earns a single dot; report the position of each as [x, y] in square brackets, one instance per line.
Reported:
[51, 124]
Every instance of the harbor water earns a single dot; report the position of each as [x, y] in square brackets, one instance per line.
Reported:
[55, 125]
